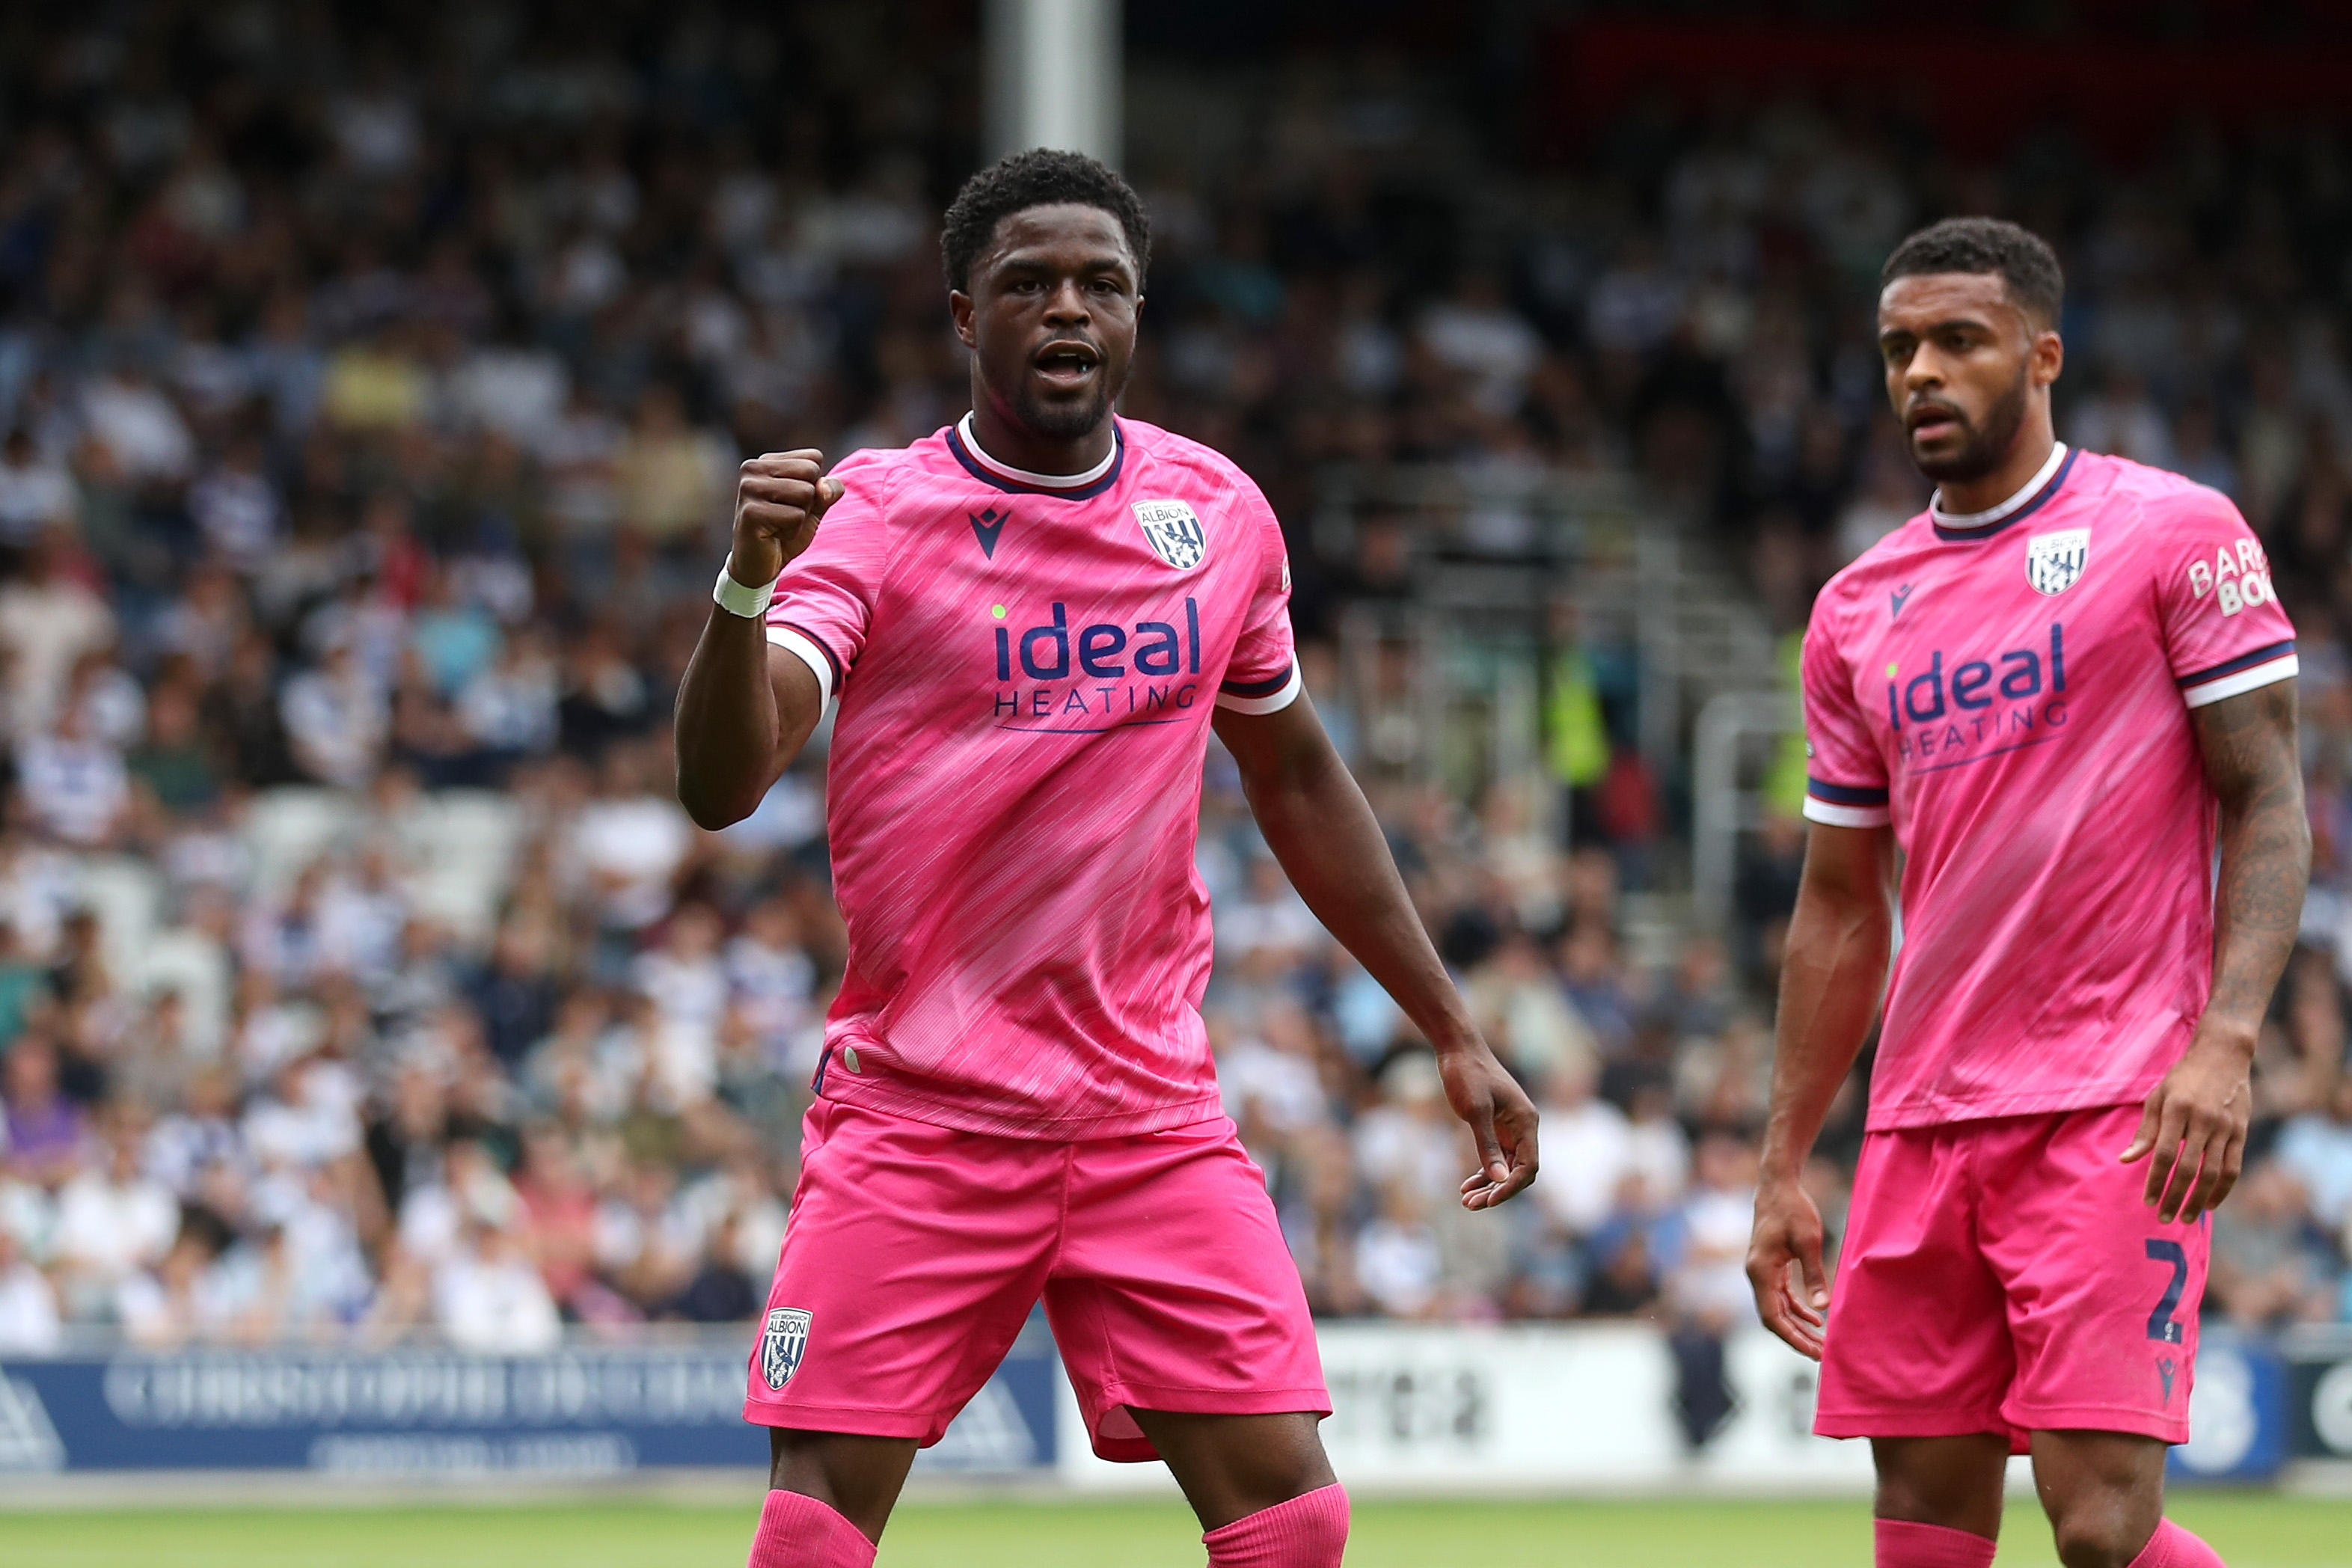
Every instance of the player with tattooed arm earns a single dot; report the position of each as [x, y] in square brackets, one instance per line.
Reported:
[2041, 706]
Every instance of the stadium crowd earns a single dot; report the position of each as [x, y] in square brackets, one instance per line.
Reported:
[371, 403]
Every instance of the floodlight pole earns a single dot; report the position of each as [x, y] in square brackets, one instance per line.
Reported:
[1055, 77]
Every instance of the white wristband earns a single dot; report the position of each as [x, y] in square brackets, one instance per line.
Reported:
[736, 599]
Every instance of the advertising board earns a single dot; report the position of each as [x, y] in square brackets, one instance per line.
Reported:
[582, 1410]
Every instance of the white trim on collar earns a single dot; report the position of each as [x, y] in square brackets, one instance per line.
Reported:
[1023, 476]
[1993, 514]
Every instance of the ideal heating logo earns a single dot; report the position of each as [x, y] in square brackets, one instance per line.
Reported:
[1945, 716]
[1056, 679]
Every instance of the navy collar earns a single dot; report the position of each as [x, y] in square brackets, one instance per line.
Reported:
[988, 471]
[2057, 482]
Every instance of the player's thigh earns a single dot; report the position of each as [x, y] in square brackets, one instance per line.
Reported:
[1231, 1467]
[911, 1259]
[1917, 1341]
[1955, 1482]
[857, 1477]
[2103, 1299]
[1174, 1289]
[2104, 1491]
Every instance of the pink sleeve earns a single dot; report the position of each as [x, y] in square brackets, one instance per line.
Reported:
[824, 601]
[1262, 675]
[1845, 772]
[2223, 630]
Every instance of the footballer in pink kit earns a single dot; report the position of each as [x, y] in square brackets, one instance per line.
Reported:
[1025, 627]
[2055, 693]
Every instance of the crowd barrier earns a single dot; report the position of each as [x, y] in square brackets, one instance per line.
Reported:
[1430, 1407]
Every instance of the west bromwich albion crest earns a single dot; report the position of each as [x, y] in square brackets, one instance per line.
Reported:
[2054, 562]
[1174, 535]
[783, 1344]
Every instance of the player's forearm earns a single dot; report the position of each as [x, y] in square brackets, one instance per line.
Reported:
[2258, 909]
[1322, 831]
[2255, 766]
[739, 724]
[1829, 983]
[727, 723]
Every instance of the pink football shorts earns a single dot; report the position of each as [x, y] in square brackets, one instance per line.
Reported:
[915, 1253]
[2005, 1276]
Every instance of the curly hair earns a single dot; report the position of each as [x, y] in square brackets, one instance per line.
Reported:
[2026, 263]
[1041, 177]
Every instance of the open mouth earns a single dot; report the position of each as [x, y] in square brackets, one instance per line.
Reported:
[1066, 364]
[1932, 424]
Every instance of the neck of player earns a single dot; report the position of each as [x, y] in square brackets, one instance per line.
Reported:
[1015, 445]
[2026, 456]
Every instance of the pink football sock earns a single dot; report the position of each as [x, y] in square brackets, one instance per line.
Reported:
[1309, 1531]
[798, 1532]
[1905, 1543]
[2173, 1547]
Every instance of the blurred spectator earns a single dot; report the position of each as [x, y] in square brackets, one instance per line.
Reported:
[29, 1322]
[178, 1301]
[49, 617]
[1624, 1279]
[112, 1220]
[2269, 1265]
[236, 507]
[2120, 417]
[136, 431]
[508, 707]
[75, 787]
[488, 1298]
[172, 766]
[1587, 1150]
[721, 1291]
[1398, 1262]
[35, 492]
[672, 479]
[1269, 917]
[336, 721]
[2315, 1148]
[45, 1129]
[1272, 1086]
[1526, 1013]
[629, 844]
[1707, 1280]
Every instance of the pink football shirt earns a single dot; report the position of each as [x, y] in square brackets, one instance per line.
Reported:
[1026, 666]
[2011, 690]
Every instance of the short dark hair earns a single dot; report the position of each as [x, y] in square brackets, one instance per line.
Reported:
[1042, 177]
[2026, 263]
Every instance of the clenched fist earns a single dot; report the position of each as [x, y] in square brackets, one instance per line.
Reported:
[779, 498]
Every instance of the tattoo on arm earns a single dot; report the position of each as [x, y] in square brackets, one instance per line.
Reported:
[2254, 766]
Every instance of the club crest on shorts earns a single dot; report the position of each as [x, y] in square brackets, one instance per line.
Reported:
[782, 1346]
[1174, 535]
[2054, 562]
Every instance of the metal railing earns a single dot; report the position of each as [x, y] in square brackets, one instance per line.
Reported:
[1723, 802]
[1449, 684]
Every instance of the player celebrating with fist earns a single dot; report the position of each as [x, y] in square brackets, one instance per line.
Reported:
[1027, 624]
[2052, 691]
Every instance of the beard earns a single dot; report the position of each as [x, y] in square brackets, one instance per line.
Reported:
[1981, 450]
[1062, 421]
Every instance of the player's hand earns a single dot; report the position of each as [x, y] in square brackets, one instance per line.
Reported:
[780, 497]
[1500, 1117]
[2195, 1127]
[1784, 1265]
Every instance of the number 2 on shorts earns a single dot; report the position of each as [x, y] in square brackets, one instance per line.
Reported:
[2161, 1324]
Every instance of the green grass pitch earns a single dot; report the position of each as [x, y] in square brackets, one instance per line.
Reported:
[2253, 1531]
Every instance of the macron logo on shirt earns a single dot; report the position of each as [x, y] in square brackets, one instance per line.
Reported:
[986, 524]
